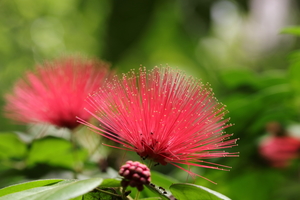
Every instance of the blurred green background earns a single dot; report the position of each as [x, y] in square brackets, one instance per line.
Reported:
[236, 46]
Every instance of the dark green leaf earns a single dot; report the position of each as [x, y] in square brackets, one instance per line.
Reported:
[243, 80]
[185, 191]
[97, 195]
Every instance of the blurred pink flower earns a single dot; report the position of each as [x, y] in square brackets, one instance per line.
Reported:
[279, 151]
[162, 115]
[55, 92]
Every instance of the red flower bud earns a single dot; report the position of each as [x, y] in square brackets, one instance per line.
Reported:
[135, 174]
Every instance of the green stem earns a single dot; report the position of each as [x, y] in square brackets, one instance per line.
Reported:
[187, 178]
[75, 155]
[116, 195]
[137, 195]
[123, 192]
[96, 147]
[150, 164]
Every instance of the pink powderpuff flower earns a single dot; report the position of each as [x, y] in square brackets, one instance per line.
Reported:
[162, 115]
[279, 151]
[55, 93]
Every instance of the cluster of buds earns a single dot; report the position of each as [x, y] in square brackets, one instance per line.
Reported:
[135, 174]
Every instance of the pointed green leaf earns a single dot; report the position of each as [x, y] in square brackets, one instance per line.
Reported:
[27, 185]
[63, 190]
[186, 191]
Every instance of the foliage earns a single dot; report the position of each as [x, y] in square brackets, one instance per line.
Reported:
[94, 188]
[257, 87]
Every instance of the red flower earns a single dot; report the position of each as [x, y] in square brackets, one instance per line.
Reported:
[162, 115]
[280, 150]
[55, 93]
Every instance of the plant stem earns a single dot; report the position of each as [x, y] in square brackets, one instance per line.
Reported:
[75, 155]
[116, 195]
[123, 190]
[96, 147]
[137, 195]
[150, 164]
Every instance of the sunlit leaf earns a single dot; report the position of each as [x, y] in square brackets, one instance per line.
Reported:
[27, 185]
[295, 30]
[63, 190]
[186, 191]
[77, 198]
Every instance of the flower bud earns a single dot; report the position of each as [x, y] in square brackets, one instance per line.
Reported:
[135, 174]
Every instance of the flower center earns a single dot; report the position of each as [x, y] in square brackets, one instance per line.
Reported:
[150, 153]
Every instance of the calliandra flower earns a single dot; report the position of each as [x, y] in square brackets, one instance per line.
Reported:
[135, 174]
[55, 92]
[162, 115]
[278, 148]
[280, 151]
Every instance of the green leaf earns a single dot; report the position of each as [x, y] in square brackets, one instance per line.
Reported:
[96, 195]
[239, 78]
[54, 151]
[295, 30]
[185, 191]
[162, 180]
[154, 191]
[159, 181]
[27, 185]
[294, 71]
[151, 198]
[11, 146]
[63, 190]
[110, 182]
[77, 198]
